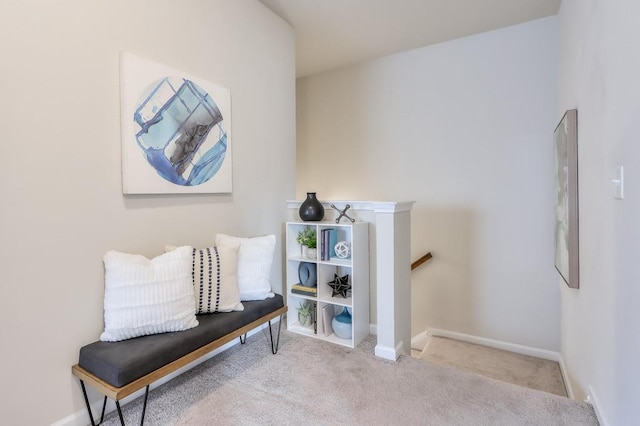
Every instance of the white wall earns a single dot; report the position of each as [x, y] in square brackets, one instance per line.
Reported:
[599, 75]
[465, 128]
[62, 205]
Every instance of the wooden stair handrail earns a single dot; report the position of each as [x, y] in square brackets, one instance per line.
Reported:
[420, 261]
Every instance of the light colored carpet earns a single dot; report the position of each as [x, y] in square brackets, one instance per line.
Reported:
[314, 382]
[523, 370]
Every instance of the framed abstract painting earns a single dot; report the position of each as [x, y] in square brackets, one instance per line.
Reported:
[566, 232]
[176, 131]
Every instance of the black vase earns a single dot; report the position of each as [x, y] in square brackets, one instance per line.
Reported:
[311, 209]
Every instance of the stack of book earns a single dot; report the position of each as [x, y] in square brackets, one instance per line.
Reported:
[307, 291]
[328, 240]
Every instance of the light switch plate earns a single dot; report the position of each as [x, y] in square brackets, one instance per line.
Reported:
[618, 183]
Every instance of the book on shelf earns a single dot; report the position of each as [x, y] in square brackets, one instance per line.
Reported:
[333, 240]
[323, 244]
[315, 318]
[301, 289]
[327, 316]
[327, 233]
[328, 241]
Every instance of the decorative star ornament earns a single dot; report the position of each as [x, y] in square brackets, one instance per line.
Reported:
[340, 285]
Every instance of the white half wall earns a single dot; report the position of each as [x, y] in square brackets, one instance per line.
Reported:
[599, 75]
[61, 189]
[465, 128]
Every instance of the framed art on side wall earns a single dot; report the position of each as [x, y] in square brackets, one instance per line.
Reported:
[176, 131]
[566, 159]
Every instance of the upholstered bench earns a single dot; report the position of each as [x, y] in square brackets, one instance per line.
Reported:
[118, 369]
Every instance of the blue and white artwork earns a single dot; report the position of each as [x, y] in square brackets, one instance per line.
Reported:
[180, 131]
[176, 131]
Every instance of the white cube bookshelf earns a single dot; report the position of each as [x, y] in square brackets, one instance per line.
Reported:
[356, 266]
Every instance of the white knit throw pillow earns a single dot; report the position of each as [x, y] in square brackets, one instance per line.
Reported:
[254, 264]
[147, 296]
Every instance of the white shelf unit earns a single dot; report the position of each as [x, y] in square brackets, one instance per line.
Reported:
[356, 266]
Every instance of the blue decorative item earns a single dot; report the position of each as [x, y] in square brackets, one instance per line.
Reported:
[180, 131]
[307, 274]
[341, 324]
[311, 209]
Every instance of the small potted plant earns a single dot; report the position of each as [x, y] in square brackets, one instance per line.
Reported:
[308, 239]
[304, 313]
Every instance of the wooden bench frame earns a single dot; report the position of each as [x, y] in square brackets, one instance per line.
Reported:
[118, 393]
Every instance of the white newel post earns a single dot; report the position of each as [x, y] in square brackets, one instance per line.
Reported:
[393, 246]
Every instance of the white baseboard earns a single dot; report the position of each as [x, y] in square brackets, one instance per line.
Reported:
[81, 417]
[593, 400]
[511, 347]
[565, 379]
[419, 341]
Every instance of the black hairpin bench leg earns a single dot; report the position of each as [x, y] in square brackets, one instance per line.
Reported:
[243, 339]
[274, 348]
[144, 408]
[86, 401]
[104, 405]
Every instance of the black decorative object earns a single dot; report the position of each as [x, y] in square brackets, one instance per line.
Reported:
[340, 285]
[311, 209]
[343, 213]
[307, 274]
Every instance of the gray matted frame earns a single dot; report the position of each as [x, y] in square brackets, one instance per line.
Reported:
[566, 232]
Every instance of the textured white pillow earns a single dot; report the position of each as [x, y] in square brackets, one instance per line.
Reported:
[143, 296]
[215, 278]
[254, 264]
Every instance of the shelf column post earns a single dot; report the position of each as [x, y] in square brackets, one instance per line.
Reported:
[393, 269]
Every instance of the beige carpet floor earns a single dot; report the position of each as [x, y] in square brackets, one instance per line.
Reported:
[522, 370]
[311, 382]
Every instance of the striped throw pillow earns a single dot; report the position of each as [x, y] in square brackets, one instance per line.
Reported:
[215, 279]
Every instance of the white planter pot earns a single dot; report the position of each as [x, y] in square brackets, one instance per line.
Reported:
[304, 320]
